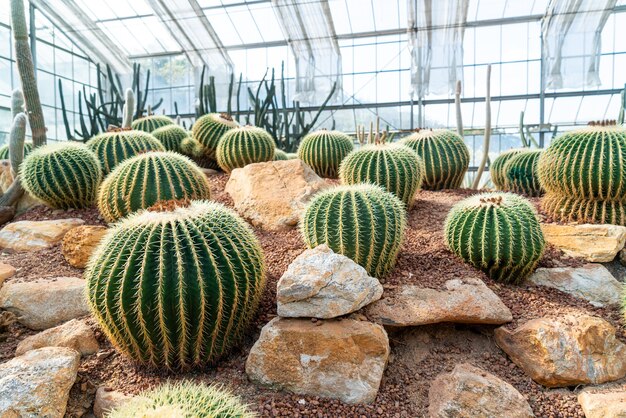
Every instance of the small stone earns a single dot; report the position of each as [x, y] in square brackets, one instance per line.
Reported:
[80, 242]
[467, 301]
[6, 272]
[566, 351]
[38, 383]
[45, 303]
[603, 405]
[320, 283]
[273, 195]
[592, 282]
[594, 243]
[75, 334]
[107, 400]
[471, 392]
[342, 359]
[35, 235]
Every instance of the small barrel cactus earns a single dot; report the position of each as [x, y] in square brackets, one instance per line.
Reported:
[498, 175]
[362, 222]
[151, 123]
[395, 167]
[148, 178]
[324, 150]
[445, 155]
[118, 145]
[569, 209]
[209, 128]
[64, 175]
[498, 233]
[4, 150]
[176, 285]
[521, 173]
[244, 145]
[292, 156]
[280, 155]
[171, 136]
[184, 400]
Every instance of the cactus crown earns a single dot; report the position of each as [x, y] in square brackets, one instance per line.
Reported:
[362, 222]
[498, 233]
[324, 150]
[244, 145]
[176, 288]
[151, 122]
[395, 167]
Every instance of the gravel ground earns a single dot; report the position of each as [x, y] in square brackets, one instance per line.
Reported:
[418, 354]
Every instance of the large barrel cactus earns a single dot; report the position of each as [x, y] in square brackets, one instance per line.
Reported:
[171, 136]
[521, 173]
[148, 178]
[395, 167]
[498, 175]
[184, 400]
[445, 155]
[208, 130]
[584, 169]
[324, 150]
[64, 175]
[118, 145]
[175, 285]
[244, 145]
[4, 150]
[362, 222]
[498, 233]
[151, 123]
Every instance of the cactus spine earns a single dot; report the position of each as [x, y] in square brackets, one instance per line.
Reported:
[176, 285]
[280, 155]
[184, 399]
[324, 150]
[244, 145]
[150, 123]
[584, 176]
[64, 175]
[394, 167]
[209, 128]
[171, 136]
[117, 145]
[498, 174]
[146, 179]
[498, 233]
[445, 155]
[521, 173]
[362, 222]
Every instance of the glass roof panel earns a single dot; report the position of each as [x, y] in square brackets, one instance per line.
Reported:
[387, 14]
[341, 18]
[361, 15]
[223, 26]
[242, 19]
[492, 9]
[266, 21]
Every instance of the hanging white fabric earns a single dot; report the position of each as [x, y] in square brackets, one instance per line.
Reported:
[572, 32]
[436, 30]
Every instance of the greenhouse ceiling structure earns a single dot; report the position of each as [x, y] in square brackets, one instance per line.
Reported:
[560, 62]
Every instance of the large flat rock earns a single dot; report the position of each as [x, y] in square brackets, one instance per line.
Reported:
[35, 235]
[467, 301]
[603, 405]
[74, 334]
[594, 243]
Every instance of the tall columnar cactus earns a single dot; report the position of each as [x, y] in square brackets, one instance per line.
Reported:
[280, 155]
[445, 155]
[64, 175]
[362, 222]
[498, 233]
[209, 128]
[521, 173]
[16, 148]
[171, 136]
[324, 150]
[176, 285]
[585, 170]
[151, 123]
[184, 400]
[244, 145]
[4, 150]
[498, 175]
[17, 103]
[395, 167]
[146, 179]
[117, 145]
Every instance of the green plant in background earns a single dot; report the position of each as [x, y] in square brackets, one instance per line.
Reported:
[445, 155]
[324, 150]
[498, 233]
[171, 136]
[498, 174]
[362, 222]
[208, 130]
[176, 285]
[584, 176]
[118, 145]
[395, 167]
[64, 175]
[151, 122]
[156, 176]
[244, 145]
[184, 400]
[4, 150]
[280, 155]
[521, 173]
